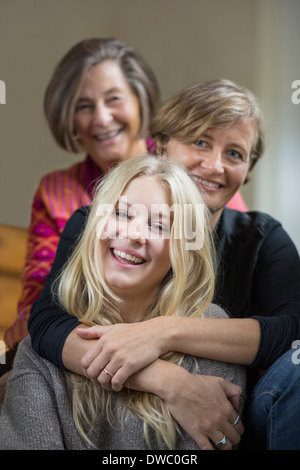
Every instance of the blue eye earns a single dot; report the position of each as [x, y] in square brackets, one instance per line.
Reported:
[121, 214]
[157, 227]
[235, 155]
[200, 143]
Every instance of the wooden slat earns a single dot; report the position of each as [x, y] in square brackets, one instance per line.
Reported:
[10, 289]
[12, 248]
[13, 242]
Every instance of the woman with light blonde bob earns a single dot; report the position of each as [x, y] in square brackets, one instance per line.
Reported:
[185, 287]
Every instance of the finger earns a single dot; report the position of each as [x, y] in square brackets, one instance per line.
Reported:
[232, 391]
[111, 376]
[239, 428]
[105, 378]
[233, 433]
[204, 443]
[235, 401]
[222, 442]
[90, 356]
[119, 379]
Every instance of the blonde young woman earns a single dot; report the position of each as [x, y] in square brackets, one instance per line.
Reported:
[145, 252]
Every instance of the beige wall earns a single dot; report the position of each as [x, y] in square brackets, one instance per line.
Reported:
[184, 41]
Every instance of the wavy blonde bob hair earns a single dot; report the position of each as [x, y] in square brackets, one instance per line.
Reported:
[187, 289]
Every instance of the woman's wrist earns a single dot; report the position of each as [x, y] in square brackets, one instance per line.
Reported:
[167, 332]
[160, 378]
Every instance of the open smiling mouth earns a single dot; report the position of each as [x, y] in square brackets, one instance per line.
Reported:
[126, 258]
[208, 184]
[109, 135]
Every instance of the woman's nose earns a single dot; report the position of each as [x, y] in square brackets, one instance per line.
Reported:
[137, 231]
[102, 115]
[213, 161]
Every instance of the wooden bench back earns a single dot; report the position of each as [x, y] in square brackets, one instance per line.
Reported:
[13, 241]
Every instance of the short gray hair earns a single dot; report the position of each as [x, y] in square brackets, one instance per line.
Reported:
[64, 87]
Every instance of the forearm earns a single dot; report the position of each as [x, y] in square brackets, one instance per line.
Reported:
[230, 340]
[73, 351]
[157, 378]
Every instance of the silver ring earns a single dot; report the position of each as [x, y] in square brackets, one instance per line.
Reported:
[108, 373]
[237, 419]
[222, 442]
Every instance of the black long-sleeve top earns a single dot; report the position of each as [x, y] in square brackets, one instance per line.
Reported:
[258, 277]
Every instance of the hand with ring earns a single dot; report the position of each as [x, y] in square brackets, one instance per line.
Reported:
[121, 348]
[108, 373]
[224, 440]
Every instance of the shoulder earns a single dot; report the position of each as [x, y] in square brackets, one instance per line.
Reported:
[27, 361]
[60, 193]
[251, 219]
[214, 311]
[77, 220]
[245, 227]
[71, 172]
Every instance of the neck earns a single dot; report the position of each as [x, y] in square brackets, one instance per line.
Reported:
[138, 147]
[133, 308]
[214, 219]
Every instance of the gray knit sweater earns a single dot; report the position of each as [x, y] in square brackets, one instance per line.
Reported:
[37, 410]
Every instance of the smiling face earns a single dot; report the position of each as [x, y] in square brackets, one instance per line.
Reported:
[134, 247]
[219, 162]
[107, 118]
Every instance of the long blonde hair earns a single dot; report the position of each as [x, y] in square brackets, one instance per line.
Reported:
[187, 289]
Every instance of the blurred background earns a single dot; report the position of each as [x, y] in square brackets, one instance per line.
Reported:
[254, 42]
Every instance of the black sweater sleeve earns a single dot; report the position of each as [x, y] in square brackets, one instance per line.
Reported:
[277, 291]
[259, 277]
[48, 324]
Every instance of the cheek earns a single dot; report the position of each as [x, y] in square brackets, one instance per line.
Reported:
[240, 176]
[81, 124]
[131, 113]
[163, 255]
[111, 230]
[184, 157]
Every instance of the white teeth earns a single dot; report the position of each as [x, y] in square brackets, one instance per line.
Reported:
[205, 183]
[127, 256]
[107, 136]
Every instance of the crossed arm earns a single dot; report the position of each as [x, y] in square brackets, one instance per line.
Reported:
[205, 406]
[124, 349]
